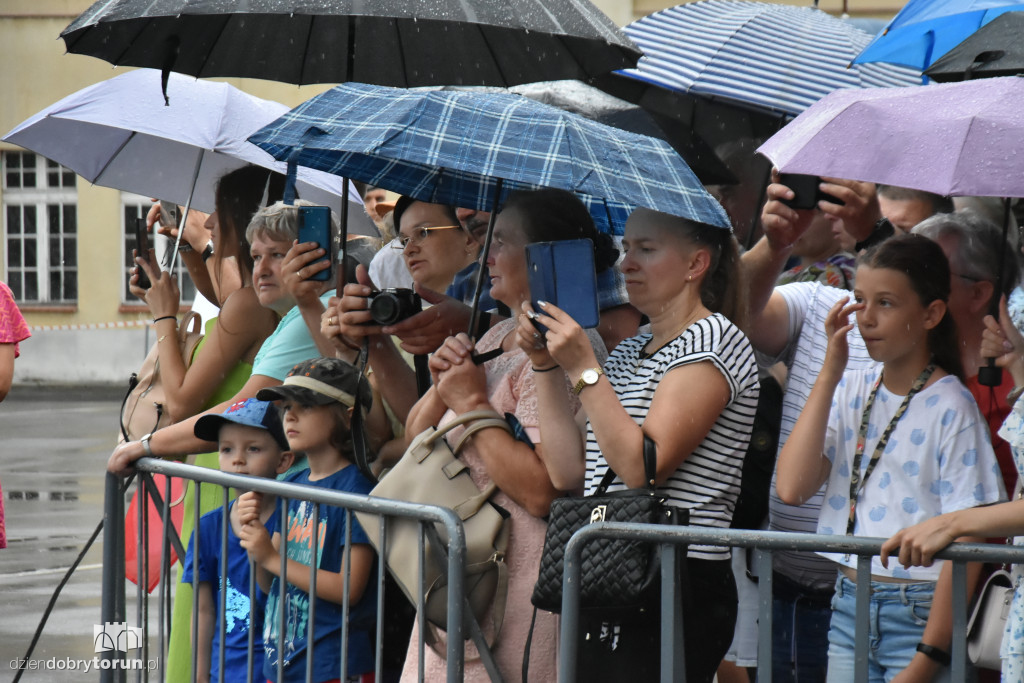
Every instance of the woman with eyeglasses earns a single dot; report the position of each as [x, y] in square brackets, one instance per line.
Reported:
[433, 244]
[438, 253]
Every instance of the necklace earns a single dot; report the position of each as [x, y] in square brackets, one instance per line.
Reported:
[644, 354]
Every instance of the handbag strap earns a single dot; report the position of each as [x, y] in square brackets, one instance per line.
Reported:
[650, 468]
[465, 418]
[479, 424]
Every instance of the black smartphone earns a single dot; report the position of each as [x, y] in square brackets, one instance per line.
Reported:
[806, 191]
[142, 249]
[562, 273]
[315, 226]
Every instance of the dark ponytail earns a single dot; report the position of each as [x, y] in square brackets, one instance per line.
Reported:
[925, 265]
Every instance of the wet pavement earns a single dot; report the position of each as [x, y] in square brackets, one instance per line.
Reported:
[53, 448]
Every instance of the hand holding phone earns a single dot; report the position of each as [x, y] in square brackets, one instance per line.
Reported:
[806, 191]
[142, 250]
[562, 273]
[315, 226]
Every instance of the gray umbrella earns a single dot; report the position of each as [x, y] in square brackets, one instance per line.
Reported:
[385, 42]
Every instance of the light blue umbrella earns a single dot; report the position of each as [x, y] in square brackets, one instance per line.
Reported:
[767, 57]
[465, 148]
[924, 30]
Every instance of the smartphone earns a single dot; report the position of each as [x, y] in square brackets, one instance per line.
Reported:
[806, 191]
[142, 249]
[170, 216]
[315, 226]
[562, 273]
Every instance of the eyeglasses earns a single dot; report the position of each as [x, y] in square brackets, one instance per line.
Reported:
[418, 235]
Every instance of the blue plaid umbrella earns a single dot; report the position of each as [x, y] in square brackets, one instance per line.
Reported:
[453, 148]
[768, 57]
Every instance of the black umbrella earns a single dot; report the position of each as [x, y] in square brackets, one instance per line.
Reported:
[386, 42]
[595, 104]
[995, 49]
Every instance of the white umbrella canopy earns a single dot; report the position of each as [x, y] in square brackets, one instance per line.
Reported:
[120, 134]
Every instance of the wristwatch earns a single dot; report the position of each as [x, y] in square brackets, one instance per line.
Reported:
[208, 251]
[588, 378]
[882, 231]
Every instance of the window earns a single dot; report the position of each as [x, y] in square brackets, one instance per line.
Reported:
[40, 228]
[133, 207]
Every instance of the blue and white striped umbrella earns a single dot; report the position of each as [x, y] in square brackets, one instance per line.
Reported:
[776, 58]
[452, 147]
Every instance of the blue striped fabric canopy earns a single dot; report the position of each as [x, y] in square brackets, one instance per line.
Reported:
[451, 147]
[778, 58]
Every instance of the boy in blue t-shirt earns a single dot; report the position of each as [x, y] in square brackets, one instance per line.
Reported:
[250, 440]
[316, 402]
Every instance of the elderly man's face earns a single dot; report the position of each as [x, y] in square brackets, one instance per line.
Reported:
[474, 222]
[904, 213]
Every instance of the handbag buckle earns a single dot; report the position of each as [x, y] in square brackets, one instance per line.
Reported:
[598, 513]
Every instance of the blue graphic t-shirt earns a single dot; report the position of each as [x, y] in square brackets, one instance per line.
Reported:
[239, 614]
[292, 644]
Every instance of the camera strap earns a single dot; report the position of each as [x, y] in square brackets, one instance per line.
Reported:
[360, 442]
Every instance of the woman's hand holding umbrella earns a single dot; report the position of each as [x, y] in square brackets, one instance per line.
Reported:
[1002, 341]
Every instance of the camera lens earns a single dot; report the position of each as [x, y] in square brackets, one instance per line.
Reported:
[385, 309]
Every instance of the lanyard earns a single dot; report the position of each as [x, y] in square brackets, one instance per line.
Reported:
[856, 484]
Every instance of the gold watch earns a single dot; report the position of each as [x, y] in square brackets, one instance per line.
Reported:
[588, 378]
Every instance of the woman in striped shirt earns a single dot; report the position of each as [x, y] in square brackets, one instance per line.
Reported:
[691, 386]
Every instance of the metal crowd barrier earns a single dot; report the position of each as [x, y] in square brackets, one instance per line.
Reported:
[672, 664]
[113, 598]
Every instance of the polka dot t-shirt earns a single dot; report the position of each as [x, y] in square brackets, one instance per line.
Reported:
[938, 459]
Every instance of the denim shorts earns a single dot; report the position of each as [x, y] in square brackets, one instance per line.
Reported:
[898, 614]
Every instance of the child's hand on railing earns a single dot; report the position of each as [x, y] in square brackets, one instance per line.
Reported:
[249, 505]
[256, 541]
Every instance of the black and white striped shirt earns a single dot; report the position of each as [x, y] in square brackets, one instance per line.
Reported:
[708, 481]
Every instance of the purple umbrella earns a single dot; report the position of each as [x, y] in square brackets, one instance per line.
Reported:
[954, 139]
[958, 139]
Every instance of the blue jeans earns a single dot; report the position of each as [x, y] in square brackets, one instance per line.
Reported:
[898, 614]
[800, 620]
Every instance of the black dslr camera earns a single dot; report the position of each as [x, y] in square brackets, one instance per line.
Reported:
[390, 306]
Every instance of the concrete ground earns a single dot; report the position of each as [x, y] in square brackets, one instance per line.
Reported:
[54, 444]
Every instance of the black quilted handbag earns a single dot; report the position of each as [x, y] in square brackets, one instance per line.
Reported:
[615, 573]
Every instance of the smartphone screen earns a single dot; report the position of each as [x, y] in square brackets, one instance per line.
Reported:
[562, 273]
[142, 249]
[315, 226]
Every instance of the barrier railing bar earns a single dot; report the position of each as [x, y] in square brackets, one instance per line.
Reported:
[112, 608]
[763, 560]
[282, 589]
[865, 548]
[958, 668]
[862, 621]
[346, 561]
[142, 556]
[196, 560]
[163, 610]
[314, 563]
[673, 659]
[222, 594]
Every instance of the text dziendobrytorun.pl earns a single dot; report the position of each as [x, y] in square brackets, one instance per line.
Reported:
[83, 665]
